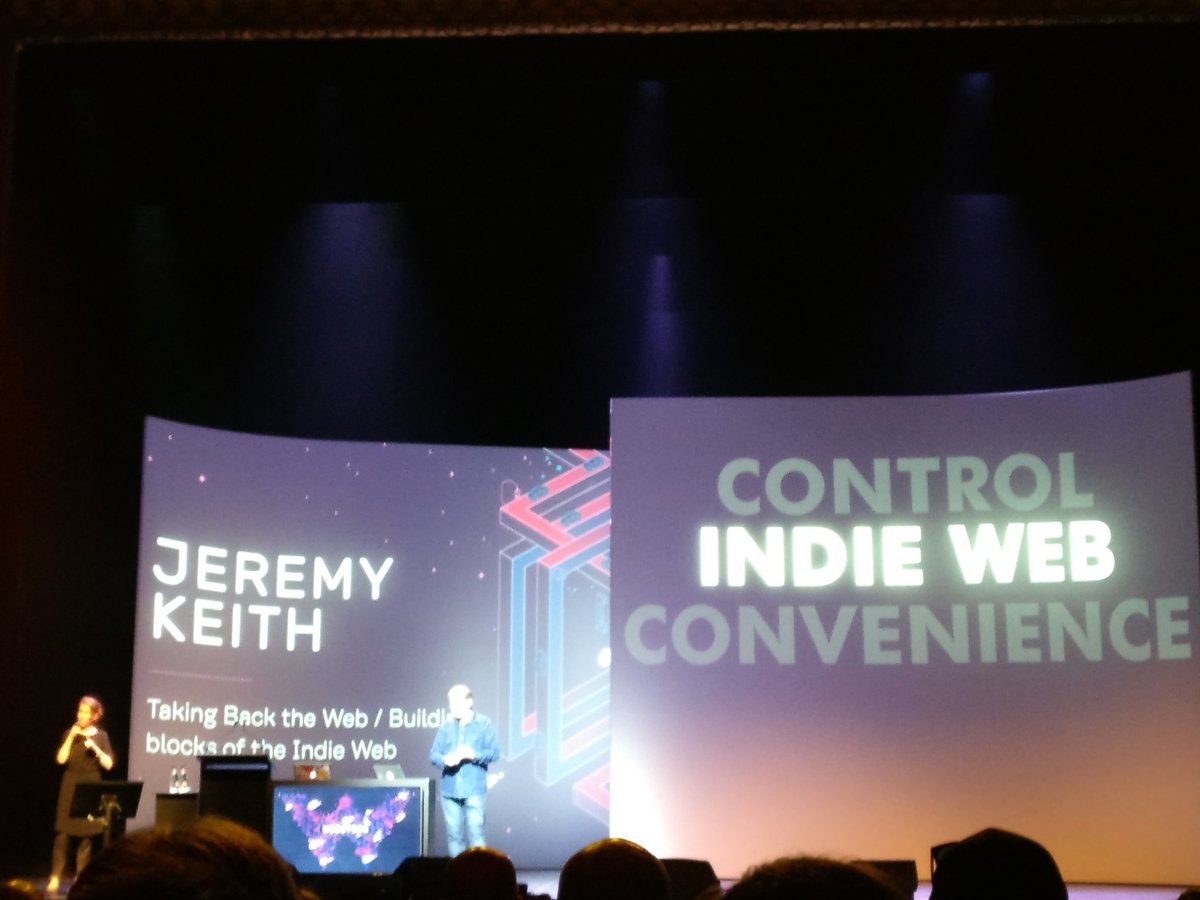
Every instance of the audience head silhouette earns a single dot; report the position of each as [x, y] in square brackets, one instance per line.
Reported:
[812, 878]
[213, 859]
[994, 864]
[479, 873]
[692, 878]
[613, 869]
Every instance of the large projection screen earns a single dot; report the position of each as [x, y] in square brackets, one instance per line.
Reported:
[867, 626]
[313, 601]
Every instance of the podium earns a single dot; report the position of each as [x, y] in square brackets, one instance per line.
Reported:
[176, 810]
[107, 802]
[238, 788]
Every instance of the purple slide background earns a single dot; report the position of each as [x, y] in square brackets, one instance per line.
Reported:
[739, 762]
[435, 511]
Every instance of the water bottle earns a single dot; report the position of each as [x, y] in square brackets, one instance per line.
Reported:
[174, 781]
[183, 784]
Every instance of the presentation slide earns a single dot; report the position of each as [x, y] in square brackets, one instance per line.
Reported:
[314, 600]
[866, 626]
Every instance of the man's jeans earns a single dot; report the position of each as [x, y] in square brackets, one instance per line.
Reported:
[464, 822]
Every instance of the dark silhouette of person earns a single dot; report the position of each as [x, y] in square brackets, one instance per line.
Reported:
[613, 869]
[692, 879]
[994, 864]
[812, 878]
[479, 873]
[212, 859]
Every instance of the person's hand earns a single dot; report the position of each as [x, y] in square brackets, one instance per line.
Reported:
[465, 753]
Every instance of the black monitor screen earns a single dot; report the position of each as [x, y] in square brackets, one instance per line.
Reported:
[349, 827]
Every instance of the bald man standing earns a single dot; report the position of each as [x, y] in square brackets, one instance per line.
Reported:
[462, 749]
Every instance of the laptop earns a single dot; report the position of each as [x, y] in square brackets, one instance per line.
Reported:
[311, 772]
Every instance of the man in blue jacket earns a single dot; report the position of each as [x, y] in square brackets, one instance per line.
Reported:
[464, 746]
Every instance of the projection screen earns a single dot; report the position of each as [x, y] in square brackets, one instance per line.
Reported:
[865, 626]
[314, 600]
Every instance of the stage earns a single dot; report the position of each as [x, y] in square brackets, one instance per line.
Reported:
[544, 882]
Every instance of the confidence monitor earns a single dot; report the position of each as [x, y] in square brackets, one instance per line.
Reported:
[351, 827]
